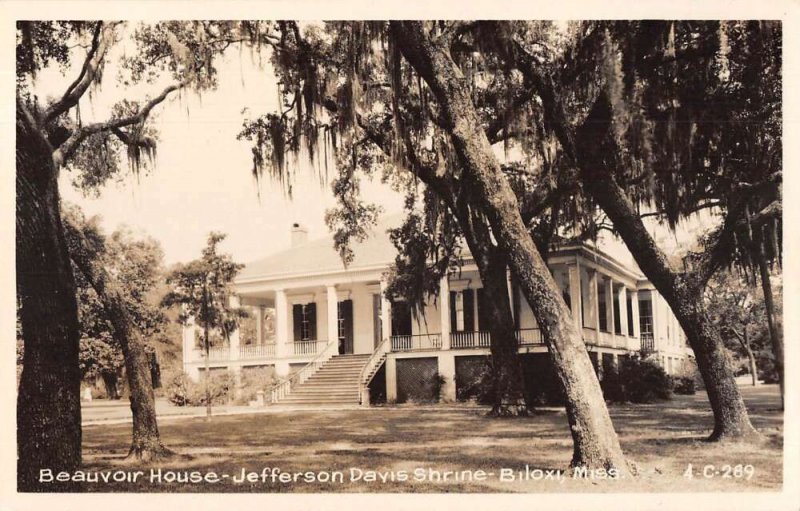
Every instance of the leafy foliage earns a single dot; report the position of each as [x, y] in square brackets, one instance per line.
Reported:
[136, 264]
[637, 381]
[202, 289]
[736, 307]
[183, 391]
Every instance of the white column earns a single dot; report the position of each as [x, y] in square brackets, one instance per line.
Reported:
[391, 379]
[444, 311]
[281, 324]
[609, 283]
[447, 368]
[333, 314]
[386, 316]
[622, 299]
[594, 310]
[511, 297]
[259, 312]
[233, 353]
[575, 295]
[657, 322]
[188, 333]
[635, 312]
[233, 337]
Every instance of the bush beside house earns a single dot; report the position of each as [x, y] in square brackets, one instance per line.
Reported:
[637, 380]
[182, 391]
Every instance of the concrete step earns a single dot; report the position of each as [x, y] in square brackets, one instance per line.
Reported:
[328, 389]
[327, 386]
[319, 402]
[336, 382]
[337, 373]
[318, 398]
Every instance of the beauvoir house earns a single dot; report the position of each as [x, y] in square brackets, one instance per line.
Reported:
[338, 339]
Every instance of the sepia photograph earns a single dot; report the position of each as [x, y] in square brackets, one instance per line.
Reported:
[398, 256]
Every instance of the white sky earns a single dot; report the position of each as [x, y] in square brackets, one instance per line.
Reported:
[202, 179]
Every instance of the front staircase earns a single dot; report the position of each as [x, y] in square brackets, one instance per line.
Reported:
[335, 383]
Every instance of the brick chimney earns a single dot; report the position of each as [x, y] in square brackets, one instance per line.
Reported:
[299, 234]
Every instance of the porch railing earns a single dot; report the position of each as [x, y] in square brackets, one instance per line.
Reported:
[257, 351]
[529, 337]
[370, 369]
[284, 388]
[215, 353]
[461, 340]
[308, 347]
[416, 342]
[647, 343]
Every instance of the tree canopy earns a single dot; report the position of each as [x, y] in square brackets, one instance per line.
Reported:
[202, 289]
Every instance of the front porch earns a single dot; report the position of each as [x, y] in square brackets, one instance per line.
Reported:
[304, 320]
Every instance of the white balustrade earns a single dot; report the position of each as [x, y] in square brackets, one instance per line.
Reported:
[416, 342]
[460, 340]
[529, 336]
[257, 351]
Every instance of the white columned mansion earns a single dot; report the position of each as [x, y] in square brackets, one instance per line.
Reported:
[324, 311]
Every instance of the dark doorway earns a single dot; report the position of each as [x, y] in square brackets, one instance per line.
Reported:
[345, 327]
[401, 318]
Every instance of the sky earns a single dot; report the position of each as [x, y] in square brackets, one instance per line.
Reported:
[202, 178]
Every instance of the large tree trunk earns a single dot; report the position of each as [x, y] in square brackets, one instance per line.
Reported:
[775, 335]
[48, 404]
[750, 356]
[110, 382]
[508, 384]
[507, 381]
[683, 293]
[595, 441]
[146, 443]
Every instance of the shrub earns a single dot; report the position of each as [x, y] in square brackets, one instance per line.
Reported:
[542, 386]
[478, 386]
[435, 384]
[254, 380]
[683, 385]
[637, 381]
[183, 391]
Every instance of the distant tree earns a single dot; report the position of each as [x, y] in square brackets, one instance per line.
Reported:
[120, 272]
[102, 358]
[50, 135]
[738, 309]
[201, 288]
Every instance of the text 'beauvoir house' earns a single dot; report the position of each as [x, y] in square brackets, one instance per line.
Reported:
[338, 336]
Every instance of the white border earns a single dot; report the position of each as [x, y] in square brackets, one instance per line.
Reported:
[785, 10]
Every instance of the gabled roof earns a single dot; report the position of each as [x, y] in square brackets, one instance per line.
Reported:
[319, 256]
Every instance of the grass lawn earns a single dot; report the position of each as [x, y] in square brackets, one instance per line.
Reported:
[663, 439]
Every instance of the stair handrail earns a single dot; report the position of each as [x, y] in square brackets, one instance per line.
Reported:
[283, 389]
[365, 377]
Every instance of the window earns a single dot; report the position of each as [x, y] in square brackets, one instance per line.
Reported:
[462, 311]
[629, 306]
[646, 316]
[605, 305]
[603, 318]
[304, 317]
[305, 329]
[340, 321]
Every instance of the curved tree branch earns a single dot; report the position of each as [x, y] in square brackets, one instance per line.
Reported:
[63, 153]
[104, 37]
